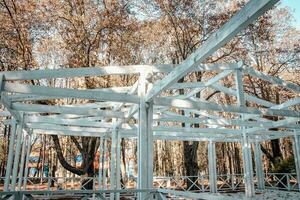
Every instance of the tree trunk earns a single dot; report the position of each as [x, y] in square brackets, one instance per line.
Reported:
[190, 162]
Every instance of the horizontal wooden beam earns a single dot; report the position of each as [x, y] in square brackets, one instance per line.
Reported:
[53, 127]
[65, 110]
[30, 97]
[291, 86]
[69, 93]
[189, 104]
[70, 122]
[82, 72]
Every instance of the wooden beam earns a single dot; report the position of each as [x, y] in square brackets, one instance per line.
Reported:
[81, 72]
[65, 110]
[189, 104]
[69, 93]
[242, 19]
[70, 122]
[291, 86]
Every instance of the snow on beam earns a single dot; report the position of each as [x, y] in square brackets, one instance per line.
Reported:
[189, 104]
[69, 93]
[245, 16]
[65, 110]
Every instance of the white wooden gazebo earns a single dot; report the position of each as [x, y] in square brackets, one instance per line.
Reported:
[111, 114]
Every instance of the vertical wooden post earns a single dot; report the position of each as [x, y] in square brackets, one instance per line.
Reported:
[114, 139]
[21, 168]
[17, 153]
[259, 166]
[118, 165]
[145, 140]
[212, 166]
[246, 145]
[27, 158]
[296, 149]
[104, 162]
[10, 155]
[99, 165]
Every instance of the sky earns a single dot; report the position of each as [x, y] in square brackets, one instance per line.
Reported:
[294, 5]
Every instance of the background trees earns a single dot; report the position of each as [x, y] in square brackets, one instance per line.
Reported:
[74, 33]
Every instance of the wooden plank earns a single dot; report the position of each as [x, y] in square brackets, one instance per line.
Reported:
[230, 91]
[195, 130]
[42, 126]
[5, 114]
[245, 16]
[84, 71]
[30, 97]
[211, 81]
[189, 104]
[73, 133]
[291, 86]
[65, 110]
[71, 122]
[69, 93]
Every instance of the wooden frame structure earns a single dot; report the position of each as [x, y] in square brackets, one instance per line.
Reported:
[141, 110]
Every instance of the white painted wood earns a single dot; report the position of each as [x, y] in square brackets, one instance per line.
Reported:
[74, 133]
[248, 97]
[21, 168]
[212, 169]
[118, 166]
[259, 167]
[27, 158]
[84, 71]
[53, 127]
[296, 149]
[291, 86]
[69, 93]
[17, 154]
[71, 122]
[104, 164]
[189, 104]
[100, 167]
[211, 81]
[64, 110]
[10, 156]
[114, 139]
[251, 11]
[246, 145]
[5, 114]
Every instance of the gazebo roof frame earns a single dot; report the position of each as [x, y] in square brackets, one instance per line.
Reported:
[144, 111]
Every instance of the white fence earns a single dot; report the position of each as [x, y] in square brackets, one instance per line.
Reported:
[227, 182]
